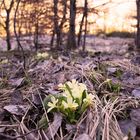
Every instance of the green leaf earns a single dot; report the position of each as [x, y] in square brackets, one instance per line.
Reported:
[46, 100]
[43, 123]
[84, 95]
[69, 89]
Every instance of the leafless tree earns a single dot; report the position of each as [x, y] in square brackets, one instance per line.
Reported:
[84, 19]
[58, 23]
[138, 24]
[71, 43]
[7, 19]
[55, 20]
[16, 35]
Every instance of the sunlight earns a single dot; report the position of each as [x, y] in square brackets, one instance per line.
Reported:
[112, 15]
[116, 14]
[69, 69]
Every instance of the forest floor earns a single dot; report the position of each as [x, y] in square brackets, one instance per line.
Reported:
[111, 72]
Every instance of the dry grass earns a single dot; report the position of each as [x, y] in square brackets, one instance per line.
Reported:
[99, 122]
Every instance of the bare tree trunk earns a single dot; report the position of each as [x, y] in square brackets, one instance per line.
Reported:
[17, 38]
[58, 27]
[86, 22]
[80, 30]
[63, 18]
[52, 39]
[138, 24]
[7, 29]
[84, 18]
[7, 23]
[71, 43]
[36, 35]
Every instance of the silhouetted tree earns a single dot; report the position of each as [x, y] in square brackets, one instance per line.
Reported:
[7, 19]
[84, 19]
[16, 35]
[55, 20]
[71, 43]
[58, 22]
[138, 24]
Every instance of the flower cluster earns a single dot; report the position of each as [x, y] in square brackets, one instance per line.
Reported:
[42, 55]
[74, 100]
[5, 61]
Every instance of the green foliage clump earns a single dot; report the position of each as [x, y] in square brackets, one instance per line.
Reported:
[113, 87]
[72, 102]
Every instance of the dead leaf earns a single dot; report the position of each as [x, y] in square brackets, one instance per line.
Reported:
[16, 109]
[136, 60]
[111, 70]
[43, 65]
[135, 116]
[83, 137]
[57, 68]
[54, 126]
[127, 76]
[136, 92]
[2, 129]
[127, 126]
[70, 127]
[16, 97]
[17, 82]
[36, 98]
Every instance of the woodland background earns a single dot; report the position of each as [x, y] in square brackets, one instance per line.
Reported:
[44, 43]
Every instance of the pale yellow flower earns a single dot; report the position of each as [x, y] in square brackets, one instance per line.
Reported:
[77, 92]
[89, 99]
[72, 84]
[82, 86]
[52, 104]
[108, 80]
[4, 61]
[42, 55]
[76, 88]
[66, 92]
[70, 104]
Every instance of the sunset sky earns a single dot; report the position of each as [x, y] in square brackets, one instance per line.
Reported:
[117, 14]
[113, 15]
